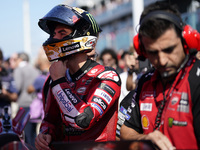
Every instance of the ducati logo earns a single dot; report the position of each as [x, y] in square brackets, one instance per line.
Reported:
[109, 75]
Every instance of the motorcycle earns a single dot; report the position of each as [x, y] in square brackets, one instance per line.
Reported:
[11, 130]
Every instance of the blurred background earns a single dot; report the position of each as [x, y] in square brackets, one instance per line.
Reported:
[118, 19]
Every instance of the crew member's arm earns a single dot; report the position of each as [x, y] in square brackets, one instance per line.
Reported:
[132, 129]
[155, 137]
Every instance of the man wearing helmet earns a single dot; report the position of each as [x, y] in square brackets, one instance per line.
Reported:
[80, 97]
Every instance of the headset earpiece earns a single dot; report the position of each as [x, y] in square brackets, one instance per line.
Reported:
[190, 36]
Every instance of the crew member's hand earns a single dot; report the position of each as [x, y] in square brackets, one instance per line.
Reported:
[160, 140]
[57, 70]
[42, 141]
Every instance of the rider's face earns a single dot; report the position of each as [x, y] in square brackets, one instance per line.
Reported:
[61, 31]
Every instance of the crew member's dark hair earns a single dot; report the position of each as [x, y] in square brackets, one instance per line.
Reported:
[154, 27]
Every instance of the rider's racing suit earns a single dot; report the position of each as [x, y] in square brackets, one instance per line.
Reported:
[82, 106]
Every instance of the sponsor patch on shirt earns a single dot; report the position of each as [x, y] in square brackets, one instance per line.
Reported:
[146, 107]
[123, 110]
[101, 93]
[147, 94]
[172, 122]
[174, 100]
[145, 122]
[100, 102]
[183, 105]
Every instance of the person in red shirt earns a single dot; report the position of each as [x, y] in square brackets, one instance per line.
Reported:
[165, 106]
[80, 97]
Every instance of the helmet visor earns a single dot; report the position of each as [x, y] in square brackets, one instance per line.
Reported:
[62, 14]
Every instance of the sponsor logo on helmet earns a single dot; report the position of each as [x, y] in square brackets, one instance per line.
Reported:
[75, 19]
[90, 43]
[79, 10]
[70, 47]
[94, 24]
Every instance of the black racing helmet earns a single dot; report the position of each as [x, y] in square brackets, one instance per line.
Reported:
[84, 35]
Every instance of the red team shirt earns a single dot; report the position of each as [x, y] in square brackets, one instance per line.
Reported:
[180, 118]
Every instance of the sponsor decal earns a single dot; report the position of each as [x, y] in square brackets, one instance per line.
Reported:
[75, 19]
[101, 102]
[85, 71]
[145, 122]
[107, 88]
[104, 95]
[172, 122]
[72, 84]
[97, 108]
[174, 100]
[146, 107]
[109, 75]
[121, 116]
[133, 102]
[90, 43]
[93, 71]
[183, 105]
[198, 72]
[67, 104]
[123, 110]
[94, 24]
[148, 94]
[72, 97]
[127, 117]
[81, 90]
[88, 81]
[79, 10]
[129, 109]
[70, 47]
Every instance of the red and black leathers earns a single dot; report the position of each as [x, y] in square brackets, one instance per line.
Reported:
[82, 106]
[180, 118]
